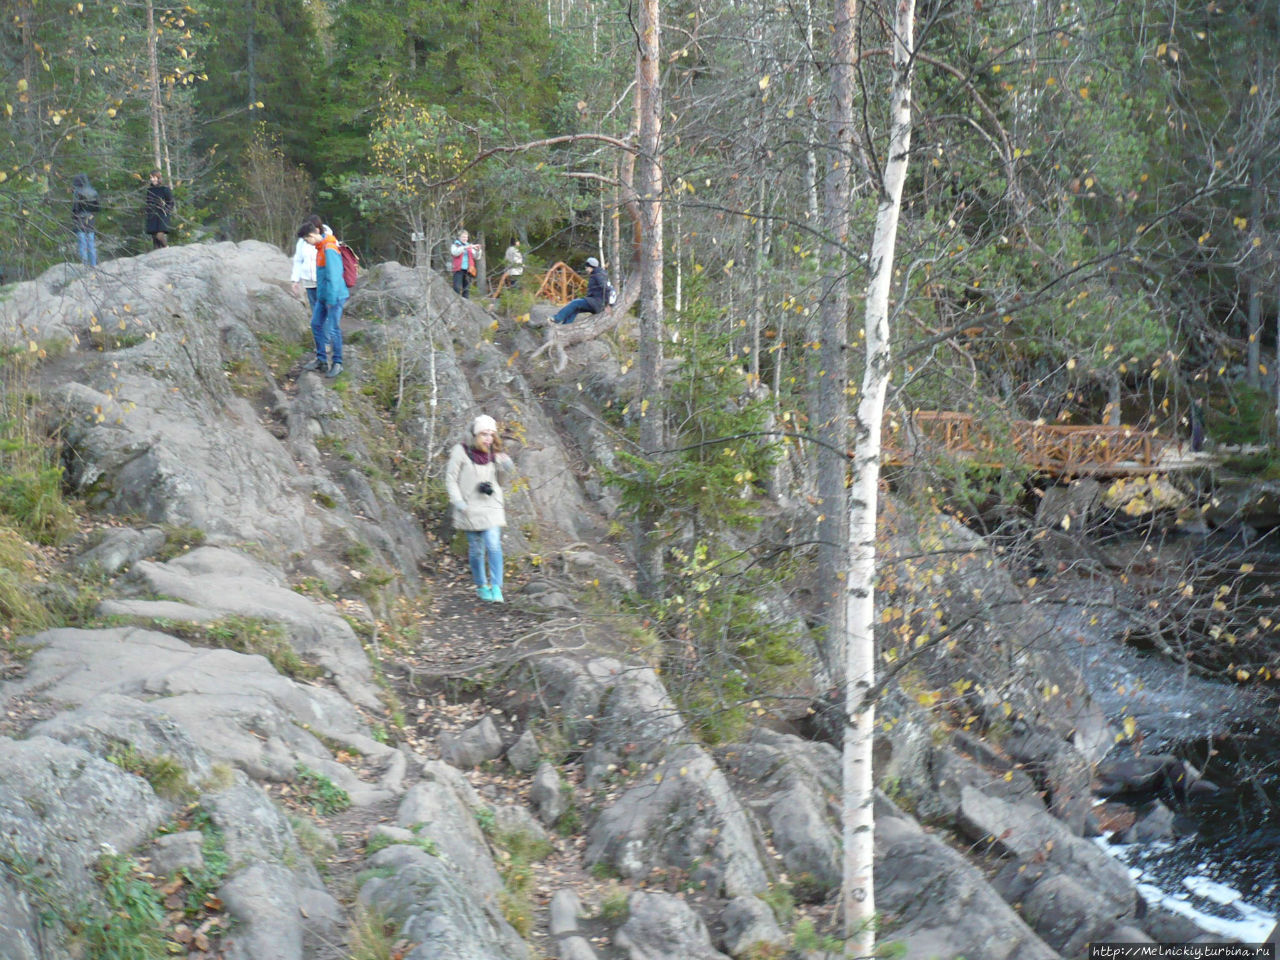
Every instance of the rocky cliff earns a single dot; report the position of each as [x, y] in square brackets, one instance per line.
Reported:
[283, 728]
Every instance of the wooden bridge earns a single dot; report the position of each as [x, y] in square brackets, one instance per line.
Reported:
[560, 284]
[1056, 449]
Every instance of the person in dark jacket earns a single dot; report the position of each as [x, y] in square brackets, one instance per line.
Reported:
[594, 301]
[84, 204]
[159, 208]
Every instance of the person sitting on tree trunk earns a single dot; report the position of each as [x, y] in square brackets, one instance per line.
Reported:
[594, 301]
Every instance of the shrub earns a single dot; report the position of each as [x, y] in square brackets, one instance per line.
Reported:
[320, 793]
[134, 914]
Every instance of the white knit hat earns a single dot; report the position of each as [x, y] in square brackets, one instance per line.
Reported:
[482, 423]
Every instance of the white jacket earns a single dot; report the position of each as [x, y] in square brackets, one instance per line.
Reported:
[304, 264]
[473, 510]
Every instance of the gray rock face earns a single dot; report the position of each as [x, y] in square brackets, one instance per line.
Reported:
[441, 807]
[159, 432]
[565, 908]
[234, 708]
[685, 815]
[681, 811]
[60, 805]
[547, 794]
[523, 755]
[663, 927]
[808, 844]
[943, 905]
[234, 584]
[1065, 912]
[750, 924]
[175, 851]
[1027, 833]
[473, 746]
[121, 547]
[576, 948]
[449, 903]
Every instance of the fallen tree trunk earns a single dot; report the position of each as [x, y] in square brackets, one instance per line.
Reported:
[562, 335]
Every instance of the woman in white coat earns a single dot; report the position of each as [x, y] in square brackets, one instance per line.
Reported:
[473, 480]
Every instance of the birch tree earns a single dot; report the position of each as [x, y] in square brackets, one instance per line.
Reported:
[858, 892]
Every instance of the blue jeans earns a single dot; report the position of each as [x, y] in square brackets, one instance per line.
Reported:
[570, 310]
[326, 329]
[88, 245]
[479, 544]
[311, 296]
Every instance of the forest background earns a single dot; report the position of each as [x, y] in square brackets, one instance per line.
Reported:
[1088, 233]
[1089, 229]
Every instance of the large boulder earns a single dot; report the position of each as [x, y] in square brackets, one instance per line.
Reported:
[661, 927]
[937, 904]
[443, 889]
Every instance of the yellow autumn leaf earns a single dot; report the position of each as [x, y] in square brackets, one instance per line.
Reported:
[764, 82]
[1130, 727]
[1066, 521]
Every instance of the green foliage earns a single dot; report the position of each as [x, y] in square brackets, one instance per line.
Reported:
[381, 841]
[178, 540]
[615, 906]
[165, 774]
[780, 901]
[372, 936]
[317, 791]
[1241, 415]
[30, 475]
[134, 914]
[202, 884]
[254, 636]
[805, 938]
[719, 641]
[22, 608]
[517, 851]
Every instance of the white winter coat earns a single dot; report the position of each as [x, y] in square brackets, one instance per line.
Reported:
[473, 510]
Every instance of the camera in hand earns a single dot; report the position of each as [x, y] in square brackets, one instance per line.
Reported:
[485, 487]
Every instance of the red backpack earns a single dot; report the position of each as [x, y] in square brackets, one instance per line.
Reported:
[350, 265]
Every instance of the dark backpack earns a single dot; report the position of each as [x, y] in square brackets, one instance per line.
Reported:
[350, 265]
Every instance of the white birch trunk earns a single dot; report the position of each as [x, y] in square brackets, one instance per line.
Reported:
[858, 892]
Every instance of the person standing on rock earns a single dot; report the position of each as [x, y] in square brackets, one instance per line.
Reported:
[159, 207]
[303, 276]
[472, 480]
[331, 297]
[465, 254]
[84, 204]
[513, 259]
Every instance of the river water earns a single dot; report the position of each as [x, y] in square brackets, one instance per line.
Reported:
[1225, 874]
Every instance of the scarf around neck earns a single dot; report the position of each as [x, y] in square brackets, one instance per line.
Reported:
[478, 457]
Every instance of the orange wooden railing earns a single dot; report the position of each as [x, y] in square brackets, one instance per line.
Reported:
[560, 284]
[1053, 448]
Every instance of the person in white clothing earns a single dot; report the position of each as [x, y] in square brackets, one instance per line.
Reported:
[514, 261]
[473, 480]
[304, 265]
